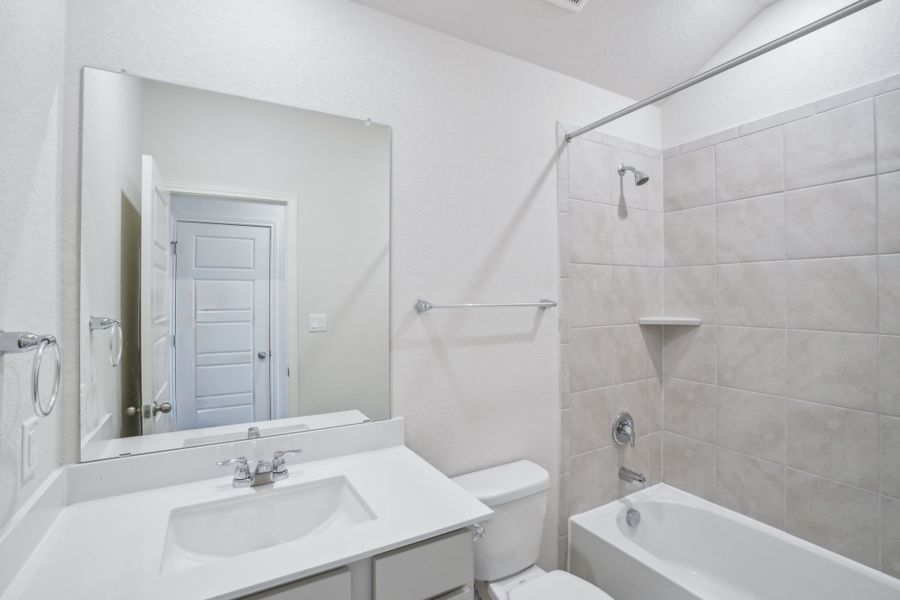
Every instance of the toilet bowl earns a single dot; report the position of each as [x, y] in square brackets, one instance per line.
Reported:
[505, 556]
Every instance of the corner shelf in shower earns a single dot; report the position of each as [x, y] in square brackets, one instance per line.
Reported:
[683, 321]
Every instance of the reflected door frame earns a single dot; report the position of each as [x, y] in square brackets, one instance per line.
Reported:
[285, 353]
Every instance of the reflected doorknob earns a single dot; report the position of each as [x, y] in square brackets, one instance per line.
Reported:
[262, 355]
[163, 407]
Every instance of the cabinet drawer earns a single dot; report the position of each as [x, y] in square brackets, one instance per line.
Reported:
[334, 585]
[463, 593]
[426, 570]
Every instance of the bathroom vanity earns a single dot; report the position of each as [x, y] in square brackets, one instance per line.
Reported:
[360, 517]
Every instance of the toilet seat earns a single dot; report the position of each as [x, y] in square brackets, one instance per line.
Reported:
[557, 585]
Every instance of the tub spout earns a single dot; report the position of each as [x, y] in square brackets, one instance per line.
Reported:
[626, 474]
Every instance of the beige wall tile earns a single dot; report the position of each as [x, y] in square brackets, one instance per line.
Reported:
[630, 230]
[564, 245]
[589, 417]
[589, 294]
[690, 237]
[593, 479]
[833, 442]
[751, 229]
[633, 398]
[629, 358]
[589, 353]
[689, 179]
[752, 294]
[887, 122]
[751, 486]
[837, 219]
[752, 165]
[889, 455]
[563, 516]
[889, 296]
[689, 409]
[889, 375]
[832, 515]
[634, 292]
[589, 171]
[689, 465]
[752, 359]
[590, 233]
[690, 353]
[835, 368]
[835, 294]
[831, 146]
[691, 292]
[889, 212]
[751, 423]
[890, 536]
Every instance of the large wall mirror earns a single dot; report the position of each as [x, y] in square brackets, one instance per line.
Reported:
[234, 268]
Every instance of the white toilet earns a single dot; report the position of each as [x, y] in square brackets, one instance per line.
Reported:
[505, 556]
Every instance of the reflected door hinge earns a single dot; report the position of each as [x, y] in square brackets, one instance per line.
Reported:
[174, 245]
[173, 340]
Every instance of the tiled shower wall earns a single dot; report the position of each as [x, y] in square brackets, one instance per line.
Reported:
[783, 235]
[611, 274]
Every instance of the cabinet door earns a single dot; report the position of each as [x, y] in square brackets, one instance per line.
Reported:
[425, 570]
[334, 585]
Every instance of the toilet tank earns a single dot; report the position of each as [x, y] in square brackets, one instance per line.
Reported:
[517, 493]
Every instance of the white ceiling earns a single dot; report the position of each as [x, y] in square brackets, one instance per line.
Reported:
[632, 47]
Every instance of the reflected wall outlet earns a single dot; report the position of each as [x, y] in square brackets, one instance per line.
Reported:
[29, 448]
[318, 322]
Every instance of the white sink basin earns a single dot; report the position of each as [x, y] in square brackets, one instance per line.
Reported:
[212, 531]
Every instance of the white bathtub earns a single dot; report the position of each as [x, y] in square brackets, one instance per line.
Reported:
[686, 548]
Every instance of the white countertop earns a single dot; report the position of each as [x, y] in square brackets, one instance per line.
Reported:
[111, 548]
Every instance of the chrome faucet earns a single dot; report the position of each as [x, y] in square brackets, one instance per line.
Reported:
[629, 476]
[263, 472]
[623, 430]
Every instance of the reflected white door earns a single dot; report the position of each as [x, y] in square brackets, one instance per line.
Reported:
[222, 296]
[156, 299]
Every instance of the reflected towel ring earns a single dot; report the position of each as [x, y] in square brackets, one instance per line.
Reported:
[116, 344]
[116, 337]
[21, 341]
[46, 341]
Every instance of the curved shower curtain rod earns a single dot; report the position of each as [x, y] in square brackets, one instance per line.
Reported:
[739, 60]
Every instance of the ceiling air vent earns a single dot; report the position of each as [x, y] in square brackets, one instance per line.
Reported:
[570, 5]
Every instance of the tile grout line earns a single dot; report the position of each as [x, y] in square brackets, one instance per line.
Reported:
[878, 440]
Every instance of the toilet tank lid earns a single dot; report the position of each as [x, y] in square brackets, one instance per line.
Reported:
[505, 483]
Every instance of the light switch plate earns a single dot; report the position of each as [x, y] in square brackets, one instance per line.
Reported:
[29, 448]
[318, 322]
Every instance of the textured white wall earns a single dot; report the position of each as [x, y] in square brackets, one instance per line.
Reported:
[474, 199]
[32, 44]
[862, 48]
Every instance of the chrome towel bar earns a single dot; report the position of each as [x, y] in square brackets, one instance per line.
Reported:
[425, 305]
[21, 341]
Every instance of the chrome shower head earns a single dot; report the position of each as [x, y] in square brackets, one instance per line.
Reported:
[640, 178]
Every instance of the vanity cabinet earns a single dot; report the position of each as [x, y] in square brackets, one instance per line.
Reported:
[334, 585]
[440, 568]
[429, 569]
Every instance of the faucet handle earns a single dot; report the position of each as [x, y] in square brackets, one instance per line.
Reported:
[241, 467]
[279, 464]
[623, 429]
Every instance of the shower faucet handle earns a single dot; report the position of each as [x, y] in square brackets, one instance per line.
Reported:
[623, 429]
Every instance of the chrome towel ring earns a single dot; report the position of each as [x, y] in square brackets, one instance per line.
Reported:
[116, 337]
[20, 341]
